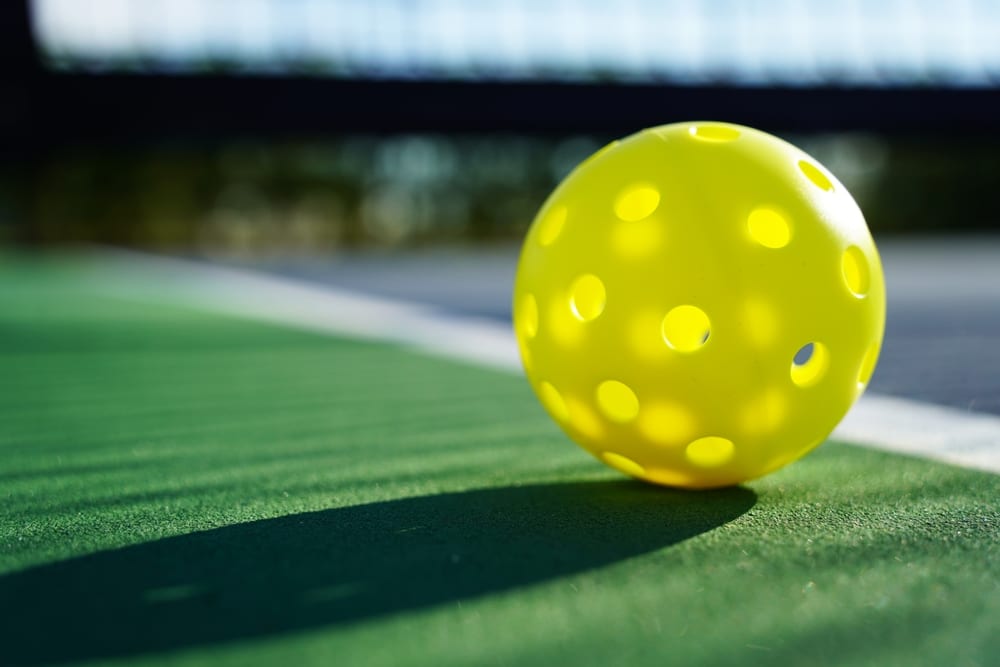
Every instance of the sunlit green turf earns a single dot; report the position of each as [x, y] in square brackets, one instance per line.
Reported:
[184, 488]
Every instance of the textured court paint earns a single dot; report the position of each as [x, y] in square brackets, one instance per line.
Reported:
[181, 488]
[920, 429]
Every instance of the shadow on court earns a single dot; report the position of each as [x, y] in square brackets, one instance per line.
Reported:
[339, 566]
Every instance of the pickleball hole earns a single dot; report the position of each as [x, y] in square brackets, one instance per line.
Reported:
[636, 202]
[710, 452]
[714, 133]
[686, 328]
[804, 354]
[587, 297]
[769, 228]
[623, 463]
[814, 174]
[854, 267]
[551, 225]
[617, 401]
[553, 401]
[528, 316]
[809, 364]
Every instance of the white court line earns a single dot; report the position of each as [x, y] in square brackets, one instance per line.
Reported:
[904, 426]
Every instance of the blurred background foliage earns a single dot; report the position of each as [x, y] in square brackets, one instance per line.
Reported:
[289, 197]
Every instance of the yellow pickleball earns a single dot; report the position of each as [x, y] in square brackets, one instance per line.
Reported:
[699, 304]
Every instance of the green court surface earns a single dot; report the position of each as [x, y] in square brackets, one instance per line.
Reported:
[184, 488]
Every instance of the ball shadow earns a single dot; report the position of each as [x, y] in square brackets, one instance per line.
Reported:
[339, 566]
